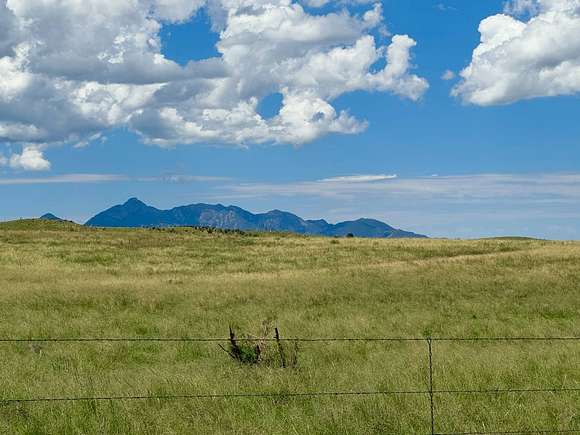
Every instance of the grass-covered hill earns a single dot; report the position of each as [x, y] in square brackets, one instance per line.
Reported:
[58, 279]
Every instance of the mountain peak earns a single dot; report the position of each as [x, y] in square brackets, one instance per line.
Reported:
[134, 201]
[50, 217]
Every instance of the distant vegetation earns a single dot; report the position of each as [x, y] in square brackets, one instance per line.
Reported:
[59, 279]
[512, 238]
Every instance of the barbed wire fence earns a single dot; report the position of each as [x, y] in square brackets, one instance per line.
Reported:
[431, 392]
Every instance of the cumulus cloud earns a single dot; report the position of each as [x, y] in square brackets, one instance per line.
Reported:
[521, 7]
[96, 40]
[71, 70]
[31, 159]
[75, 69]
[277, 47]
[519, 59]
[176, 10]
[8, 30]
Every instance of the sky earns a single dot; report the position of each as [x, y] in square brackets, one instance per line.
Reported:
[452, 118]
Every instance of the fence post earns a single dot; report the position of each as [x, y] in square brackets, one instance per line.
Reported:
[280, 349]
[432, 403]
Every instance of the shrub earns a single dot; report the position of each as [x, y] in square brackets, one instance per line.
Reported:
[269, 349]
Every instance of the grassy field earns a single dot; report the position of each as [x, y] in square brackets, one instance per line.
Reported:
[63, 280]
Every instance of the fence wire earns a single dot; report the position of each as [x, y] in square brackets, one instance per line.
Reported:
[286, 339]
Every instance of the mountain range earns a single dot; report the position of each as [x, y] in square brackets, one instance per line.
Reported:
[135, 213]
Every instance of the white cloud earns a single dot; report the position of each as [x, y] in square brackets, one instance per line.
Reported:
[448, 75]
[465, 188]
[31, 159]
[176, 10]
[110, 178]
[444, 8]
[359, 178]
[525, 59]
[64, 179]
[278, 47]
[521, 7]
[180, 178]
[321, 3]
[71, 70]
[99, 40]
[9, 32]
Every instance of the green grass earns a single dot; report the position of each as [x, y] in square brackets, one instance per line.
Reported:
[64, 280]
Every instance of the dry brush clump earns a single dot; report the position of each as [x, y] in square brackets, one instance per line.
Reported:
[267, 349]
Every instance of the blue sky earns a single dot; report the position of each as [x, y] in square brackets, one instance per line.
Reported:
[466, 165]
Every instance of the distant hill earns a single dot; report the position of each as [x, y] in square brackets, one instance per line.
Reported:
[50, 217]
[40, 225]
[135, 213]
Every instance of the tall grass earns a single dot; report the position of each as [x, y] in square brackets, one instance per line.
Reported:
[63, 280]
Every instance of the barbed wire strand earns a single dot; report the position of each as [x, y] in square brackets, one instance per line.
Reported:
[297, 394]
[277, 395]
[297, 339]
[522, 432]
[214, 396]
[510, 391]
